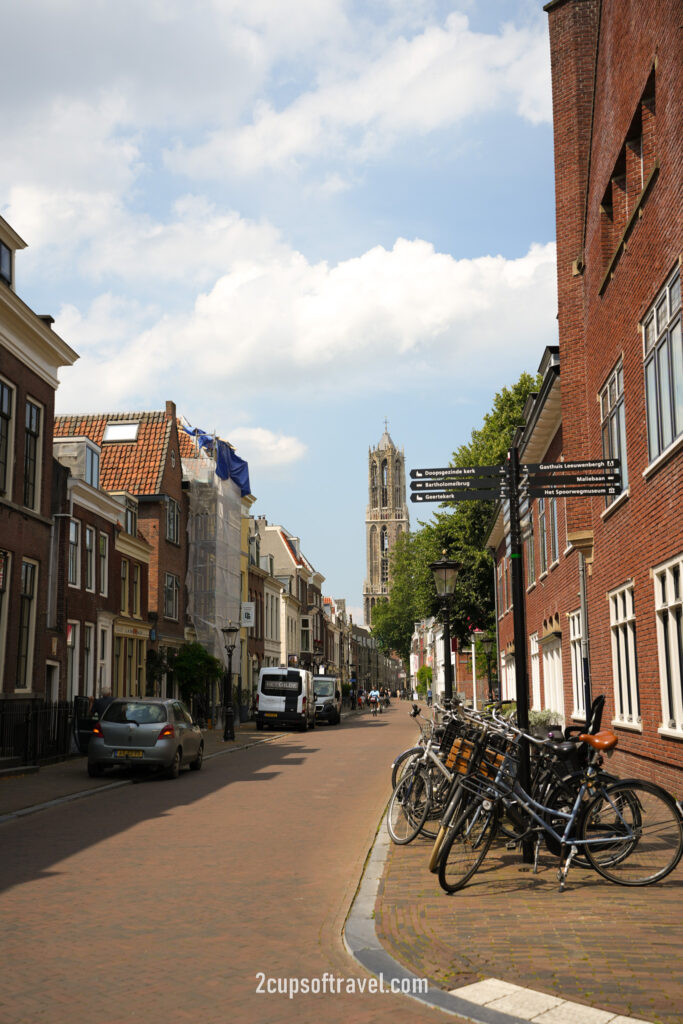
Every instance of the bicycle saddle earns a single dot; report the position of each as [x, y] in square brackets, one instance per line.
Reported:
[564, 750]
[604, 740]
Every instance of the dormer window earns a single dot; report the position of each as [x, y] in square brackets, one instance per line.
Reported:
[121, 432]
[5, 263]
[131, 517]
[92, 467]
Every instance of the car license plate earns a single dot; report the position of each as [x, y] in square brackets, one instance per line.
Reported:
[128, 753]
[270, 714]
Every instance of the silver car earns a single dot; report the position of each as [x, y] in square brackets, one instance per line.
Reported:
[145, 733]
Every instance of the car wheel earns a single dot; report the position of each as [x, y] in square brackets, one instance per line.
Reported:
[313, 723]
[174, 767]
[197, 763]
[304, 725]
[95, 771]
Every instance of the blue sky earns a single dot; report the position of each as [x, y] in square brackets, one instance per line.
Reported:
[293, 218]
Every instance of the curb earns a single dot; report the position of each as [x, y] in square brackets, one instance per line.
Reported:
[360, 939]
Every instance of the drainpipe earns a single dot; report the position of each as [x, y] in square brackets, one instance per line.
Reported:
[584, 636]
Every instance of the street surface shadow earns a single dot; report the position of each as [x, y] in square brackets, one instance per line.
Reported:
[31, 844]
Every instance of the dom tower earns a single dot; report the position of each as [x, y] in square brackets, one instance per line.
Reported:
[386, 517]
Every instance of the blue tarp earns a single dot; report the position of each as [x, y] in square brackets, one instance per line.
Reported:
[229, 466]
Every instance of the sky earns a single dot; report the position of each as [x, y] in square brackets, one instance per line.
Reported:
[293, 218]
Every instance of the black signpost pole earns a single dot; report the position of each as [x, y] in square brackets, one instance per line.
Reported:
[519, 625]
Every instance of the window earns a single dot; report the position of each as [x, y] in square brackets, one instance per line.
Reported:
[4, 601]
[624, 666]
[71, 660]
[140, 668]
[171, 592]
[530, 553]
[89, 558]
[578, 690]
[535, 673]
[131, 517]
[385, 484]
[554, 540]
[103, 683]
[89, 658]
[552, 676]
[542, 540]
[27, 624]
[31, 456]
[92, 467]
[124, 586]
[104, 564]
[172, 521]
[509, 688]
[669, 611]
[499, 583]
[5, 263]
[121, 432]
[384, 546]
[73, 576]
[663, 353]
[6, 437]
[613, 424]
[136, 590]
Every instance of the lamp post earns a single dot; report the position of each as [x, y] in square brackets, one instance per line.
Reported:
[445, 574]
[487, 645]
[229, 636]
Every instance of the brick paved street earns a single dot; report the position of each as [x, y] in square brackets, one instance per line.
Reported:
[160, 902]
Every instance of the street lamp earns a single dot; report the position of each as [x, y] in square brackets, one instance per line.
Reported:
[229, 636]
[445, 574]
[487, 645]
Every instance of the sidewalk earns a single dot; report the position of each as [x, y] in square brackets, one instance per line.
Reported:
[23, 792]
[617, 951]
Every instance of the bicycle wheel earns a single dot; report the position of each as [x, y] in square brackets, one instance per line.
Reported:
[441, 788]
[409, 806]
[466, 846]
[635, 832]
[403, 763]
[452, 810]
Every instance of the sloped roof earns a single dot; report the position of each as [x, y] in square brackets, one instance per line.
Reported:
[385, 442]
[135, 466]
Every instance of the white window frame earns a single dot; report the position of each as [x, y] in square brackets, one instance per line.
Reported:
[661, 333]
[622, 619]
[103, 657]
[554, 535]
[90, 573]
[11, 422]
[5, 577]
[125, 587]
[552, 677]
[535, 662]
[72, 653]
[31, 645]
[172, 588]
[542, 537]
[578, 688]
[103, 562]
[668, 582]
[89, 652]
[92, 467]
[613, 424]
[73, 575]
[172, 521]
[38, 479]
[136, 580]
[509, 678]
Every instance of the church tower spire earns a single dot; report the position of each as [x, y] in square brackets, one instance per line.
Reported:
[386, 517]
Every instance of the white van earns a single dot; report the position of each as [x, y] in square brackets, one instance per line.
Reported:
[285, 697]
[327, 699]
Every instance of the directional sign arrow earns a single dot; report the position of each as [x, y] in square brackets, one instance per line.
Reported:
[457, 495]
[456, 472]
[471, 484]
[571, 492]
[605, 465]
[572, 479]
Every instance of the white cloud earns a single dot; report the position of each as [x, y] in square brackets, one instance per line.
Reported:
[281, 324]
[261, 447]
[415, 86]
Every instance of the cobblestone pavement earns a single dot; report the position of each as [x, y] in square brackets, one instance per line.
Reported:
[610, 947]
[171, 901]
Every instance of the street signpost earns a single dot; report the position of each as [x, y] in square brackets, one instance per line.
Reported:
[515, 485]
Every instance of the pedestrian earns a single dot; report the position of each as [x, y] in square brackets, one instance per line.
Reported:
[429, 696]
[101, 703]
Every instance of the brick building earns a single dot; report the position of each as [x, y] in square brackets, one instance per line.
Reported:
[140, 464]
[617, 81]
[30, 357]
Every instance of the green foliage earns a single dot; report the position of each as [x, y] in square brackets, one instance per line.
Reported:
[458, 532]
[424, 679]
[193, 668]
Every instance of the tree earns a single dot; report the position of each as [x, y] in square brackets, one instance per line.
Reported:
[424, 679]
[194, 668]
[458, 532]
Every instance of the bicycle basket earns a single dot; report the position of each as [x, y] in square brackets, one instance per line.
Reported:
[459, 755]
[450, 732]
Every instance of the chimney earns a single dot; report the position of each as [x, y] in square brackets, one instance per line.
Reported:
[170, 410]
